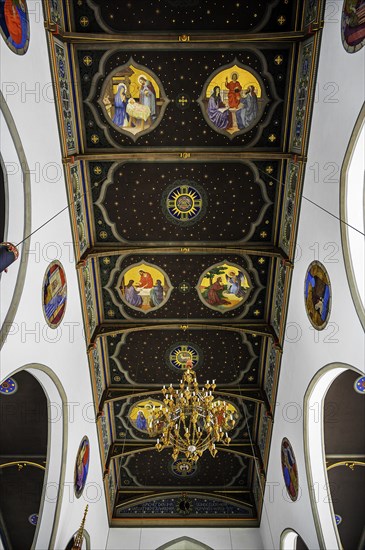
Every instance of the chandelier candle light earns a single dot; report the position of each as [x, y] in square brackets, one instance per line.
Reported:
[190, 421]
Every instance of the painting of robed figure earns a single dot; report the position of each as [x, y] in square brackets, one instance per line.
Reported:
[133, 99]
[224, 286]
[144, 287]
[233, 100]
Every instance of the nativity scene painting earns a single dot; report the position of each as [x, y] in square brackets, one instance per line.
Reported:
[144, 287]
[224, 286]
[134, 99]
[317, 292]
[233, 101]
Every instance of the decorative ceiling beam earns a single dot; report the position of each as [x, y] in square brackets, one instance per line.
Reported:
[186, 154]
[165, 39]
[117, 250]
[114, 328]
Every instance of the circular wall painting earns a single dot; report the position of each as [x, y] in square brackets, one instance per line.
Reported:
[8, 387]
[353, 25]
[317, 293]
[33, 519]
[81, 466]
[359, 385]
[14, 25]
[289, 467]
[184, 202]
[54, 294]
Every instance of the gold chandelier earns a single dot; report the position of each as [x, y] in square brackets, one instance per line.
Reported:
[190, 421]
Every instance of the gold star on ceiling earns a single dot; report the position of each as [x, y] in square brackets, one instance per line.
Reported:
[87, 60]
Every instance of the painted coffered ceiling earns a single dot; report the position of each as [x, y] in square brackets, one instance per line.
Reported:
[184, 128]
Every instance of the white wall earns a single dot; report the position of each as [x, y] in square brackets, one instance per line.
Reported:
[306, 351]
[61, 350]
[150, 539]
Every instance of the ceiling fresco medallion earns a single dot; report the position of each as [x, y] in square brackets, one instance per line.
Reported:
[233, 100]
[359, 385]
[140, 413]
[8, 387]
[317, 293]
[183, 467]
[230, 419]
[134, 99]
[184, 202]
[289, 467]
[353, 25]
[14, 25]
[178, 355]
[54, 294]
[224, 286]
[81, 466]
[144, 287]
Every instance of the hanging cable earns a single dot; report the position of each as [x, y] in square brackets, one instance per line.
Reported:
[60, 212]
[318, 206]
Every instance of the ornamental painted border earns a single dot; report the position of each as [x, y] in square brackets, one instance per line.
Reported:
[290, 207]
[303, 94]
[63, 91]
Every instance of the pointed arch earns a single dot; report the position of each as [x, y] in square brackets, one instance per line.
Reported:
[184, 543]
[314, 453]
[54, 477]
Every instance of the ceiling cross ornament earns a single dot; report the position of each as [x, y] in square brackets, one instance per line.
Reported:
[192, 421]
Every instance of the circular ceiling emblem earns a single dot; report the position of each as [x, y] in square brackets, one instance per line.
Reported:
[54, 294]
[178, 354]
[81, 466]
[183, 467]
[184, 202]
[33, 519]
[8, 387]
[184, 287]
[360, 385]
[317, 293]
[289, 467]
